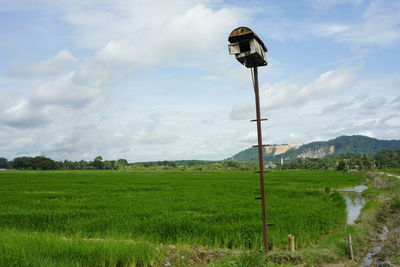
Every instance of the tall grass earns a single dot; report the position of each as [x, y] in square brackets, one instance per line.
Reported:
[44, 249]
[204, 208]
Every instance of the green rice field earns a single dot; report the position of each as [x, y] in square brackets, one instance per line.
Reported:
[53, 213]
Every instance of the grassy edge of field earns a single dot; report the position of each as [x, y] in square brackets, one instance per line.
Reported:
[381, 209]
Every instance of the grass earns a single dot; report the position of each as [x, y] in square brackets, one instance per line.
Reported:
[213, 209]
[382, 209]
[45, 249]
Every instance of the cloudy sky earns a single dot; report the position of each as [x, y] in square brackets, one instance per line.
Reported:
[152, 80]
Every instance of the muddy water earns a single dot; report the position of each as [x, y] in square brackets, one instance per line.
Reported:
[367, 261]
[354, 201]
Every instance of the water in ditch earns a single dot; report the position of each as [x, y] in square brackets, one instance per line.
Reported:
[368, 259]
[354, 204]
[354, 201]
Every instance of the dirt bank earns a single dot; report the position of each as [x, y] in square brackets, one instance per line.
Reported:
[387, 223]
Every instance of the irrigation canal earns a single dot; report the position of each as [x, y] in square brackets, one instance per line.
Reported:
[354, 201]
[354, 204]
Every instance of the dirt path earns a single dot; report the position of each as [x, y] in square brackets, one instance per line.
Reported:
[389, 174]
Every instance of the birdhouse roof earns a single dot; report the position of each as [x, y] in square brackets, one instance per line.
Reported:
[243, 33]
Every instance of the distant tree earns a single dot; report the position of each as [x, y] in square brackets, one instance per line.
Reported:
[68, 165]
[83, 165]
[122, 161]
[43, 163]
[36, 163]
[388, 159]
[3, 163]
[98, 163]
[232, 164]
[121, 164]
[341, 165]
[22, 163]
[109, 165]
[367, 162]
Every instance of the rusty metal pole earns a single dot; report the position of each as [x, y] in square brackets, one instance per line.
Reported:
[261, 161]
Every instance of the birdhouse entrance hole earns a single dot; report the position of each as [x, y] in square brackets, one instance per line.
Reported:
[244, 46]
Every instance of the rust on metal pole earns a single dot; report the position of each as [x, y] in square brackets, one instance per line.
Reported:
[261, 161]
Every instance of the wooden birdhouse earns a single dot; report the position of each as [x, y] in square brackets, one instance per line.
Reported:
[247, 47]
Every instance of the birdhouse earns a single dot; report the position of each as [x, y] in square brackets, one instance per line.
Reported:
[247, 47]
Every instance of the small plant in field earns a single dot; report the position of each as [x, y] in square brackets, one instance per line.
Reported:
[327, 190]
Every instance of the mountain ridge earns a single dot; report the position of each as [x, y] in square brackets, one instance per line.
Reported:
[354, 144]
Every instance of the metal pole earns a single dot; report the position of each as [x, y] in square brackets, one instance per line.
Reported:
[261, 161]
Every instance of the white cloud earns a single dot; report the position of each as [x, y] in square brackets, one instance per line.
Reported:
[331, 29]
[24, 115]
[6, 100]
[374, 102]
[249, 138]
[380, 25]
[241, 111]
[65, 91]
[164, 35]
[394, 134]
[395, 102]
[288, 94]
[336, 107]
[20, 113]
[296, 138]
[327, 4]
[366, 123]
[95, 23]
[59, 63]
[196, 32]
[366, 133]
[394, 122]
[327, 83]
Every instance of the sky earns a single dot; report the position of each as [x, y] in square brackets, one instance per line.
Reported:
[148, 80]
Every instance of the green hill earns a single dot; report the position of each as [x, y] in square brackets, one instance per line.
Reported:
[356, 144]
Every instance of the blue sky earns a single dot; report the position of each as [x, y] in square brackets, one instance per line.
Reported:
[153, 80]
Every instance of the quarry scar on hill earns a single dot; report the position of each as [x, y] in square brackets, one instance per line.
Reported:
[277, 150]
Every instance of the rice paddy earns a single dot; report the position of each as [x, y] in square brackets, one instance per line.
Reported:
[212, 209]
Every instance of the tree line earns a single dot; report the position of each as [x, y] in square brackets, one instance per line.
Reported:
[346, 162]
[44, 163]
